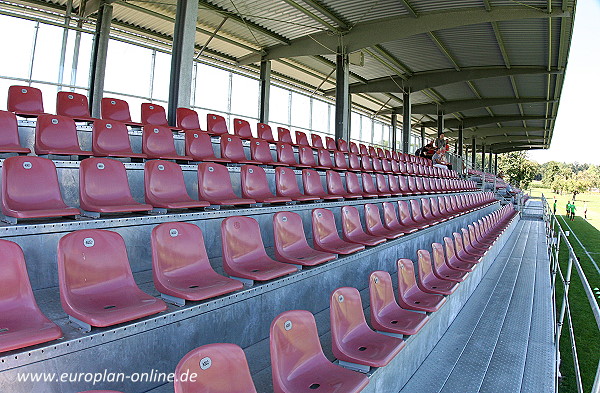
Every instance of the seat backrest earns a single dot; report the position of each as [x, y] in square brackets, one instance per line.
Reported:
[55, 132]
[286, 183]
[158, 140]
[426, 207]
[317, 142]
[260, 150]
[394, 185]
[284, 135]
[330, 143]
[377, 166]
[219, 368]
[312, 182]
[372, 152]
[301, 139]
[352, 183]
[285, 153]
[406, 276]
[372, 217]
[102, 181]
[163, 181]
[363, 149]
[342, 145]
[404, 213]
[449, 248]
[306, 156]
[365, 162]
[354, 148]
[390, 217]
[254, 182]
[381, 291]
[339, 159]
[382, 185]
[198, 145]
[25, 99]
[216, 124]
[294, 342]
[324, 158]
[214, 182]
[15, 288]
[92, 261]
[351, 221]
[458, 243]
[110, 137]
[242, 128]
[323, 225]
[439, 258]
[288, 231]
[380, 152]
[353, 161]
[265, 132]
[21, 175]
[415, 208]
[72, 104]
[346, 314]
[368, 184]
[187, 119]
[335, 185]
[241, 241]
[424, 262]
[9, 130]
[232, 148]
[154, 114]
[114, 109]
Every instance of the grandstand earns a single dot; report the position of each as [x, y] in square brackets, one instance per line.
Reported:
[227, 189]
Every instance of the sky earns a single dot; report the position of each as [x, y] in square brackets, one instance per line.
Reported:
[576, 134]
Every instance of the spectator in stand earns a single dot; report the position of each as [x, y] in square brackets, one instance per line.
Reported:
[441, 143]
[426, 151]
[438, 159]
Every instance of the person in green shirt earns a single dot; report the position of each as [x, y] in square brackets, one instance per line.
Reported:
[554, 206]
[568, 209]
[573, 211]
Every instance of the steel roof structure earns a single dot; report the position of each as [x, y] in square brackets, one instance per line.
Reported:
[494, 67]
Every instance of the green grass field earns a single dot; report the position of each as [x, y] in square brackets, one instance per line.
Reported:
[585, 328]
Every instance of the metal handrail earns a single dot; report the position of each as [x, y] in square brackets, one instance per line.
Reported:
[554, 235]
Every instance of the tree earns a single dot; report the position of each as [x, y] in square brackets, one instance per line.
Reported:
[517, 169]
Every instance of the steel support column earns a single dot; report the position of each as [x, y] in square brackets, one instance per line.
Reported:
[406, 121]
[473, 153]
[496, 163]
[483, 158]
[422, 136]
[460, 140]
[490, 162]
[265, 90]
[182, 55]
[98, 60]
[342, 101]
[394, 131]
[440, 123]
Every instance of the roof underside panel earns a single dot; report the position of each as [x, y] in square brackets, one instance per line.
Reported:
[472, 45]
[354, 12]
[419, 53]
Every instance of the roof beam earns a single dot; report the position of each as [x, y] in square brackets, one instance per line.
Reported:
[449, 107]
[311, 15]
[480, 121]
[328, 13]
[480, 133]
[512, 138]
[382, 30]
[423, 80]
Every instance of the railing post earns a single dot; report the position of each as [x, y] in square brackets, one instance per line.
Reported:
[563, 307]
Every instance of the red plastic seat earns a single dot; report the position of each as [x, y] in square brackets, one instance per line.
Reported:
[382, 186]
[352, 340]
[214, 186]
[96, 284]
[405, 218]
[198, 146]
[284, 135]
[317, 142]
[301, 139]
[434, 211]
[330, 144]
[428, 281]
[394, 186]
[260, 151]
[219, 368]
[410, 296]
[335, 186]
[113, 109]
[391, 222]
[233, 149]
[158, 142]
[340, 163]
[73, 105]
[286, 185]
[354, 187]
[290, 242]
[353, 230]
[57, 135]
[412, 185]
[452, 261]
[9, 134]
[365, 164]
[306, 157]
[342, 146]
[354, 163]
[180, 265]
[285, 154]
[164, 187]
[369, 186]
[297, 360]
[377, 165]
[468, 245]
[324, 157]
[255, 186]
[21, 175]
[155, 115]
[265, 133]
[354, 148]
[386, 315]
[111, 139]
[363, 149]
[374, 226]
[403, 185]
[104, 188]
[216, 125]
[427, 212]
[417, 216]
[25, 101]
[187, 120]
[242, 128]
[460, 251]
[441, 268]
[313, 186]
[325, 234]
[244, 254]
[22, 324]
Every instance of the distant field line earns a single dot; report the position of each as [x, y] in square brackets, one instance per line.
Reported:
[581, 244]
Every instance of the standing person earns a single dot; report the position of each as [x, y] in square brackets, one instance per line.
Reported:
[554, 205]
[573, 211]
[585, 211]
[441, 143]
[568, 209]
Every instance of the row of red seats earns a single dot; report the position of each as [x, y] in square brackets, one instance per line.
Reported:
[104, 188]
[294, 335]
[97, 287]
